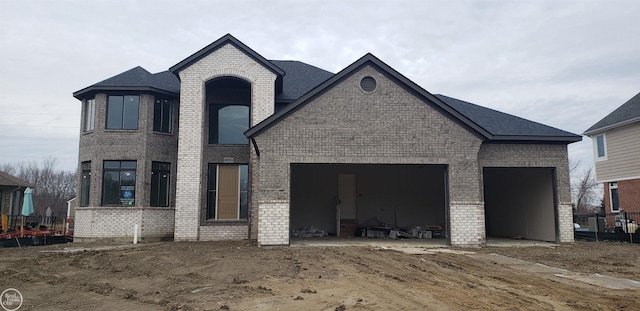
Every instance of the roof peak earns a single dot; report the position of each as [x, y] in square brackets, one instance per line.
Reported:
[222, 41]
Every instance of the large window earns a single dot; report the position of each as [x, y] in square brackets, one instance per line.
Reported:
[613, 192]
[162, 115]
[122, 112]
[601, 147]
[85, 186]
[227, 192]
[119, 183]
[89, 114]
[227, 124]
[160, 183]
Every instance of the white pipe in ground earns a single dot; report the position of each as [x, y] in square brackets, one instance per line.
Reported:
[135, 234]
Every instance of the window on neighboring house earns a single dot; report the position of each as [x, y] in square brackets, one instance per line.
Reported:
[227, 192]
[89, 114]
[162, 115]
[613, 192]
[160, 183]
[227, 124]
[122, 112]
[85, 185]
[601, 147]
[119, 183]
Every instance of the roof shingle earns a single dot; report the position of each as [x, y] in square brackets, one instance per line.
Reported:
[628, 112]
[299, 79]
[502, 124]
[12, 181]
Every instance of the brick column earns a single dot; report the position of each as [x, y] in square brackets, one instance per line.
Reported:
[273, 223]
[467, 227]
[565, 222]
[188, 183]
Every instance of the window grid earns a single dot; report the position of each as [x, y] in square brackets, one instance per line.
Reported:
[162, 115]
[160, 178]
[119, 183]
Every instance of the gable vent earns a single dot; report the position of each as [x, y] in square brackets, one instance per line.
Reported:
[368, 84]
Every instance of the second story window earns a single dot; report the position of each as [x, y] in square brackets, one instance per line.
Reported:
[162, 115]
[227, 124]
[122, 112]
[601, 147]
[89, 114]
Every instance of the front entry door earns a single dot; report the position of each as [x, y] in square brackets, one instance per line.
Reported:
[228, 191]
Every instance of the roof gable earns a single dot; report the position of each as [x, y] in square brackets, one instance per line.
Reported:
[368, 59]
[135, 79]
[628, 113]
[484, 122]
[226, 39]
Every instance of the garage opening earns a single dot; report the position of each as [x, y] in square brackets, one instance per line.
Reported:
[382, 201]
[519, 203]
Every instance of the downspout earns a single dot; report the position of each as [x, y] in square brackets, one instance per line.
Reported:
[255, 146]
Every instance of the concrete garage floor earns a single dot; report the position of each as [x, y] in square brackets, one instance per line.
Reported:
[411, 243]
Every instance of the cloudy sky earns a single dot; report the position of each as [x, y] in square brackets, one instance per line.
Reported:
[563, 63]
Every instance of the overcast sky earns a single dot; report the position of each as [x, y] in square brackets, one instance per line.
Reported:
[562, 63]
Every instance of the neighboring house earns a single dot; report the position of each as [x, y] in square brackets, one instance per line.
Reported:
[230, 145]
[11, 195]
[616, 149]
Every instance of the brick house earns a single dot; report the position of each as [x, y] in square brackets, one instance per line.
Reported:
[616, 150]
[264, 147]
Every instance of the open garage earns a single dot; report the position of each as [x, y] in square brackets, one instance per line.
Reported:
[324, 196]
[519, 203]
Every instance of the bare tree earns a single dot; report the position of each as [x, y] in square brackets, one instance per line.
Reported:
[583, 188]
[52, 187]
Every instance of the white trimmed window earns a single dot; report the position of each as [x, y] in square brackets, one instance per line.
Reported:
[613, 196]
[600, 147]
[89, 114]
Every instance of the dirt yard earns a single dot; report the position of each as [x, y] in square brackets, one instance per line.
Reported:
[241, 276]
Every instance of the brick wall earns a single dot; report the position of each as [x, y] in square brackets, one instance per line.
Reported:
[467, 224]
[142, 145]
[628, 195]
[118, 223]
[388, 126]
[225, 61]
[273, 223]
[224, 232]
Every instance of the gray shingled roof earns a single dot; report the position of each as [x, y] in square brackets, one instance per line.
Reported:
[627, 113]
[299, 79]
[502, 124]
[488, 123]
[136, 79]
[12, 181]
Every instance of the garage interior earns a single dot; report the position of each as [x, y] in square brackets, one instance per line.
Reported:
[342, 199]
[519, 203]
